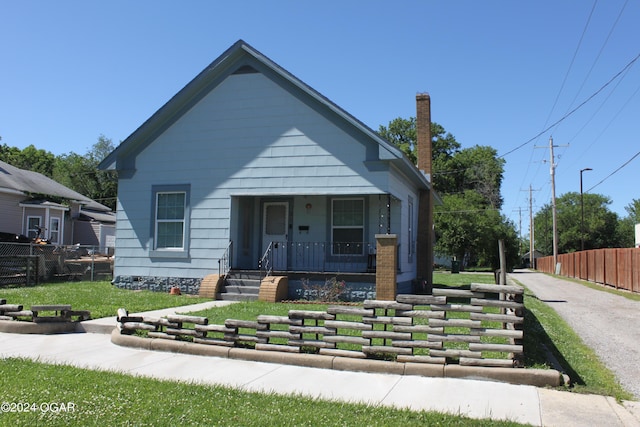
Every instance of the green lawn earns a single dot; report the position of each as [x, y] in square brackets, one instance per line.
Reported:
[94, 398]
[542, 323]
[102, 299]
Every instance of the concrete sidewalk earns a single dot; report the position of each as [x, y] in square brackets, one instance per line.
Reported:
[473, 398]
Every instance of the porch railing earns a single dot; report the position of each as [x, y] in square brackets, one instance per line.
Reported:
[346, 257]
[224, 263]
[266, 262]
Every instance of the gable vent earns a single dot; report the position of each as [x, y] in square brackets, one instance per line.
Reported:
[245, 69]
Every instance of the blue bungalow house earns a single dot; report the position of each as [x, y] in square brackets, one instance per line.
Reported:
[247, 167]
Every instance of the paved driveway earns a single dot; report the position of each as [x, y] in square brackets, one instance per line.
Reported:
[609, 324]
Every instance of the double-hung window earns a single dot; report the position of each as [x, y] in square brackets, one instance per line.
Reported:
[33, 227]
[347, 226]
[171, 220]
[54, 230]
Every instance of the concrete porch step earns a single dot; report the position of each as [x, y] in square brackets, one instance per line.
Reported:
[241, 286]
[226, 296]
[241, 289]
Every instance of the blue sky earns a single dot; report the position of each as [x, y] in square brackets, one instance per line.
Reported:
[499, 73]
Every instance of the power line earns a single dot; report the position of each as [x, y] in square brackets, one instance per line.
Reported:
[575, 54]
[575, 109]
[595, 61]
[615, 171]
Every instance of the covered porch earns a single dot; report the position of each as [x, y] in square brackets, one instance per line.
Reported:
[311, 233]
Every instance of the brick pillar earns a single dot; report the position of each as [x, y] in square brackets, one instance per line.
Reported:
[386, 266]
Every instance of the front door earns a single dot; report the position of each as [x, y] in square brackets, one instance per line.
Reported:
[275, 229]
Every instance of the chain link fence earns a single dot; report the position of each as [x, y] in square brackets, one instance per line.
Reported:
[30, 264]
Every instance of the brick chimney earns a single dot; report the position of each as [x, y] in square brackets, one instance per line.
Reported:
[425, 235]
[423, 131]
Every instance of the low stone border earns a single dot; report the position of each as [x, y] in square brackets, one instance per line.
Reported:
[534, 377]
[45, 328]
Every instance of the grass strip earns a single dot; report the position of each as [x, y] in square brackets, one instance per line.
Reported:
[98, 398]
[102, 299]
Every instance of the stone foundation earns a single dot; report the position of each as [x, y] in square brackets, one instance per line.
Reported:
[158, 284]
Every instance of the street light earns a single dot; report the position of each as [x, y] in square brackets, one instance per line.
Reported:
[582, 209]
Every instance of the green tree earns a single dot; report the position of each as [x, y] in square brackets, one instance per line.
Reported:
[626, 226]
[402, 133]
[601, 226]
[633, 209]
[468, 224]
[81, 173]
[29, 158]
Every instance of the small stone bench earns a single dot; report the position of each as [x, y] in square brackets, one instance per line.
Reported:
[57, 318]
[63, 313]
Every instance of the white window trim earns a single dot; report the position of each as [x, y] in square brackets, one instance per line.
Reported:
[174, 252]
[52, 230]
[333, 227]
[29, 230]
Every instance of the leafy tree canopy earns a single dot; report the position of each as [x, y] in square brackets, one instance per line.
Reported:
[602, 228]
[468, 225]
[78, 172]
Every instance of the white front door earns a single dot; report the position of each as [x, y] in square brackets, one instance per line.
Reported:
[275, 229]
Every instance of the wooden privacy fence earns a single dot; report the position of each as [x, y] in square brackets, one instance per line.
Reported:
[479, 326]
[619, 268]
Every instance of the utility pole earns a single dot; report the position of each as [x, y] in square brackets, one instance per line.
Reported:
[519, 231]
[532, 244]
[553, 203]
[553, 200]
[531, 230]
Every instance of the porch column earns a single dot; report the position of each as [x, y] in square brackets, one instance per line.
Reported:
[386, 266]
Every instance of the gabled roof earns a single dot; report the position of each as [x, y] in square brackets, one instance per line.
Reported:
[241, 56]
[28, 182]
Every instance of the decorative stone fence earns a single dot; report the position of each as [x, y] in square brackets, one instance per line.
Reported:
[40, 319]
[480, 326]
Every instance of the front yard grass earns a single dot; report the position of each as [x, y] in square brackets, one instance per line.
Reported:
[543, 326]
[102, 299]
[98, 398]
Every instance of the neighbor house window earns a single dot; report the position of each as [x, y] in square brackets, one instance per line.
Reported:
[33, 227]
[54, 230]
[347, 226]
[171, 219]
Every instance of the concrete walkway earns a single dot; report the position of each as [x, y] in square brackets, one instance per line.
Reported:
[473, 398]
[607, 323]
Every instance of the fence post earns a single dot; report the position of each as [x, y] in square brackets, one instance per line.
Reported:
[386, 266]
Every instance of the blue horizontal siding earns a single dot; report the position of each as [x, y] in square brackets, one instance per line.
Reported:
[247, 136]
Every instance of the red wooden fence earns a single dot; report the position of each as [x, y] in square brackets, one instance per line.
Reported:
[619, 268]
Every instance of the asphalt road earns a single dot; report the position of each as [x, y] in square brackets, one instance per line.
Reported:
[608, 323]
